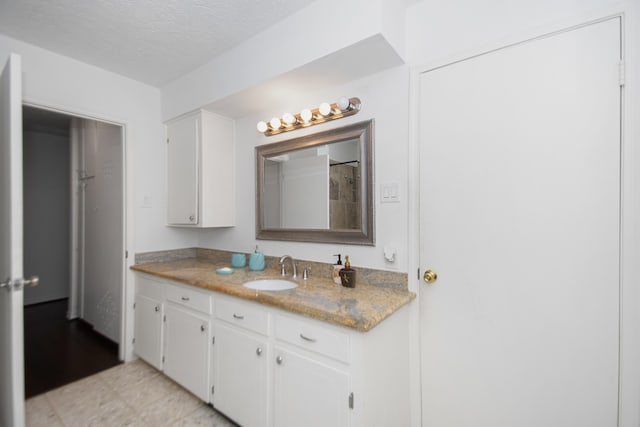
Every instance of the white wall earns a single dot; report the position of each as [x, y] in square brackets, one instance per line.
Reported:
[439, 30]
[46, 158]
[384, 98]
[315, 32]
[58, 82]
[64, 84]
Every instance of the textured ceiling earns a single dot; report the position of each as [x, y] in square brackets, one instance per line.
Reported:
[147, 40]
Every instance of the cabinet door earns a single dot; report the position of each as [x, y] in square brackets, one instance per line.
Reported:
[241, 367]
[148, 330]
[308, 393]
[186, 354]
[183, 170]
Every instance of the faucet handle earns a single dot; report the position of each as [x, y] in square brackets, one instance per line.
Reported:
[305, 273]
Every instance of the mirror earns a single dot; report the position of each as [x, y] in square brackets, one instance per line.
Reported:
[317, 188]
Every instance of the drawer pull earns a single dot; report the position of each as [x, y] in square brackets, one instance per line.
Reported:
[235, 316]
[259, 351]
[279, 360]
[307, 338]
[202, 328]
[185, 298]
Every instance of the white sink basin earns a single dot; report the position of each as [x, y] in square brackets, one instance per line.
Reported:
[270, 285]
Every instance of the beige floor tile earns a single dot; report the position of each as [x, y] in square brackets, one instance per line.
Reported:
[128, 374]
[147, 391]
[40, 413]
[131, 395]
[79, 393]
[166, 411]
[81, 400]
[114, 413]
[205, 416]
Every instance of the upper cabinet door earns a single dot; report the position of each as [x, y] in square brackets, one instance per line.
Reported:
[200, 169]
[183, 137]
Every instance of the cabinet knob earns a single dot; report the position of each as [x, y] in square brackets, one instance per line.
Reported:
[202, 328]
[157, 308]
[192, 217]
[279, 360]
[259, 351]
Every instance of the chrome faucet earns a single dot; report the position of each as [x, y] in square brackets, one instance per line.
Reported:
[294, 274]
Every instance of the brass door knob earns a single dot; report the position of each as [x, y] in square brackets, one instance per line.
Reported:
[430, 276]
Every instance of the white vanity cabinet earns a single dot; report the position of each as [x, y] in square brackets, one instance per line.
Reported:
[187, 334]
[148, 329]
[265, 367]
[311, 377]
[200, 174]
[241, 355]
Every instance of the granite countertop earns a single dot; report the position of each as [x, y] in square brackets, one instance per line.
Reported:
[360, 308]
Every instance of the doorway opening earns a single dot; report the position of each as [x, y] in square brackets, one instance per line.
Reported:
[74, 241]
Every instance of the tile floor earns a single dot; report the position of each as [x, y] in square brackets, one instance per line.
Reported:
[130, 394]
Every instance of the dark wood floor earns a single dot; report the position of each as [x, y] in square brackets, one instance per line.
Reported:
[58, 351]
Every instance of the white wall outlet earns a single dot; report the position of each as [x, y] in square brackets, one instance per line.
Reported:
[390, 192]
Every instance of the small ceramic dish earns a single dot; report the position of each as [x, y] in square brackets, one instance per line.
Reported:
[224, 270]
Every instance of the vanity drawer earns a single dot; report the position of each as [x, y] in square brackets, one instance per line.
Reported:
[148, 287]
[247, 316]
[314, 337]
[190, 298]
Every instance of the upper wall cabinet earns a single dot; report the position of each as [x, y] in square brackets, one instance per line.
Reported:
[200, 163]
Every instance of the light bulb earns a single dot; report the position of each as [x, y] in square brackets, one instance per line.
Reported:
[344, 103]
[261, 126]
[288, 118]
[275, 123]
[306, 115]
[324, 108]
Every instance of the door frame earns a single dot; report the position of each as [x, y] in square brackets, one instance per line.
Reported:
[125, 346]
[629, 345]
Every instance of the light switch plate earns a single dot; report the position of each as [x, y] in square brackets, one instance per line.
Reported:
[390, 192]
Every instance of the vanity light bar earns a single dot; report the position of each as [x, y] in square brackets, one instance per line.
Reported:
[325, 112]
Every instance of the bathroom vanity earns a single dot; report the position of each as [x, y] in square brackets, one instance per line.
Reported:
[316, 355]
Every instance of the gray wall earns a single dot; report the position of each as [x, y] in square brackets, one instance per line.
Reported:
[46, 159]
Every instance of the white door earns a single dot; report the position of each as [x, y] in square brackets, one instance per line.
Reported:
[308, 393]
[11, 298]
[519, 217]
[241, 377]
[183, 163]
[186, 349]
[103, 227]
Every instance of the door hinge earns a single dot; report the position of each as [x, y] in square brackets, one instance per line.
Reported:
[213, 340]
[134, 305]
[167, 140]
[133, 341]
[351, 400]
[162, 359]
[212, 389]
[126, 254]
[621, 73]
[164, 318]
[418, 276]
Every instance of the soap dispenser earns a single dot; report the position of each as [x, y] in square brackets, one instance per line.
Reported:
[256, 261]
[336, 270]
[348, 274]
